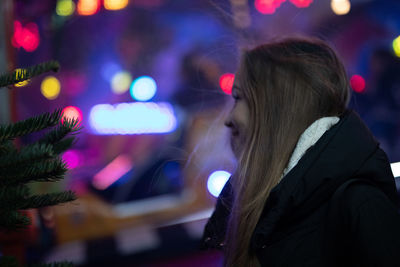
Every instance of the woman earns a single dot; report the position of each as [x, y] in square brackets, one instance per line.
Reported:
[312, 187]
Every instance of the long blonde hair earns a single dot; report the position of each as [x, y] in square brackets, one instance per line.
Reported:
[287, 84]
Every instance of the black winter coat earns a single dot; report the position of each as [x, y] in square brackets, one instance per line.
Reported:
[303, 225]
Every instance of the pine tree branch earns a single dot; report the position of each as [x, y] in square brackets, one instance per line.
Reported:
[27, 155]
[44, 200]
[13, 198]
[13, 220]
[6, 147]
[25, 74]
[63, 145]
[48, 171]
[68, 126]
[30, 125]
[74, 124]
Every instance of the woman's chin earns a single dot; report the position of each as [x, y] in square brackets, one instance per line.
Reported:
[235, 147]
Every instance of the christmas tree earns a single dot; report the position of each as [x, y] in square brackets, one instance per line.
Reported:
[39, 161]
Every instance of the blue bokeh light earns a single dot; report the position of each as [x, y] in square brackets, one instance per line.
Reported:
[109, 69]
[216, 182]
[143, 88]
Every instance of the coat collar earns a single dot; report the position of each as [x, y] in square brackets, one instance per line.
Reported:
[336, 157]
[308, 138]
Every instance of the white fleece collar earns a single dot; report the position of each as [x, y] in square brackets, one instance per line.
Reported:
[310, 136]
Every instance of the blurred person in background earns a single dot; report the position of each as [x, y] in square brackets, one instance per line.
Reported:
[312, 186]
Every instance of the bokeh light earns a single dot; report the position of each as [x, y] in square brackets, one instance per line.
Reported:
[340, 7]
[88, 7]
[26, 37]
[133, 118]
[357, 82]
[50, 87]
[65, 7]
[74, 83]
[396, 46]
[226, 82]
[216, 182]
[301, 3]
[22, 72]
[115, 4]
[267, 6]
[71, 112]
[143, 88]
[109, 69]
[120, 82]
[112, 172]
[72, 158]
[395, 166]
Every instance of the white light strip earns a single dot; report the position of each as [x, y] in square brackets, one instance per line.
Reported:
[395, 169]
[112, 172]
[140, 207]
[153, 204]
[133, 118]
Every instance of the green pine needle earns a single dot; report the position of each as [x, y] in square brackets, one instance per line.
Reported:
[63, 145]
[6, 147]
[13, 220]
[26, 155]
[43, 171]
[68, 126]
[13, 198]
[30, 125]
[27, 73]
[48, 200]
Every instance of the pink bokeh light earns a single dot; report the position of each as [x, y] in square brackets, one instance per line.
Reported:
[267, 6]
[301, 3]
[71, 112]
[26, 37]
[226, 82]
[112, 172]
[72, 157]
[357, 83]
[74, 83]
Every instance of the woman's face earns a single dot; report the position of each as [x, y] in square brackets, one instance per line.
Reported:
[238, 118]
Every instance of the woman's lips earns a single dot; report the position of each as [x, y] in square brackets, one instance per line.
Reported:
[234, 142]
[234, 137]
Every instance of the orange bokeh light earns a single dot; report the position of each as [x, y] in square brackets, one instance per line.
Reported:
[88, 7]
[115, 4]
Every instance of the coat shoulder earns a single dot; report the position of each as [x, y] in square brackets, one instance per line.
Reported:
[373, 221]
[359, 194]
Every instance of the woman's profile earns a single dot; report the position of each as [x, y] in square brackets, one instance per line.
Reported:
[312, 186]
